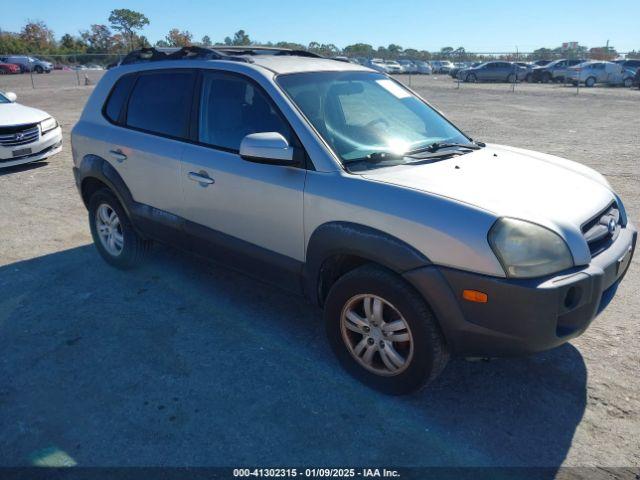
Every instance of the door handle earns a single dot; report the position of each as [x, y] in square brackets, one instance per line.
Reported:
[118, 155]
[202, 178]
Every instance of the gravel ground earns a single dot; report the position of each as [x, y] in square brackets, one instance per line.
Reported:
[180, 363]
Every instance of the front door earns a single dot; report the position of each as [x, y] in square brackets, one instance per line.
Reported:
[252, 208]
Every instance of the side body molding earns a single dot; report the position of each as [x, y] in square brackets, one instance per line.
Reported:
[336, 239]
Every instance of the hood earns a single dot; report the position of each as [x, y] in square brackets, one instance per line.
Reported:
[16, 114]
[512, 182]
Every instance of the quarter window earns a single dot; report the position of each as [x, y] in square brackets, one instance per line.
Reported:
[118, 97]
[161, 102]
[231, 108]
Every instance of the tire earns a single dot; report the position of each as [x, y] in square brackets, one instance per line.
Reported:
[511, 78]
[133, 248]
[589, 82]
[546, 77]
[417, 358]
[528, 78]
[471, 78]
[627, 82]
[38, 69]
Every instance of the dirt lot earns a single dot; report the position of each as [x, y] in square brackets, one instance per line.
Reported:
[178, 363]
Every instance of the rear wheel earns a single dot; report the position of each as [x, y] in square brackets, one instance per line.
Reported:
[627, 82]
[113, 235]
[38, 69]
[511, 78]
[382, 331]
[528, 78]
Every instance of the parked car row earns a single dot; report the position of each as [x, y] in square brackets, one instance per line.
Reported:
[586, 72]
[24, 64]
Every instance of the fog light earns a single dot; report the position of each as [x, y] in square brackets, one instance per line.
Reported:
[475, 296]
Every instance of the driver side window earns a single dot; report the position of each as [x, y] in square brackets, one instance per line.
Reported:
[231, 108]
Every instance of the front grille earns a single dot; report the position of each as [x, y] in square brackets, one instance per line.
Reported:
[16, 135]
[602, 230]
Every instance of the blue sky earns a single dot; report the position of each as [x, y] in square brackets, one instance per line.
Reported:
[489, 25]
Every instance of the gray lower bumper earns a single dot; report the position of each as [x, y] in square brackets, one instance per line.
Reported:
[523, 316]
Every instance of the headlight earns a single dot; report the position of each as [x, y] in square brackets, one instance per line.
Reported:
[528, 250]
[48, 124]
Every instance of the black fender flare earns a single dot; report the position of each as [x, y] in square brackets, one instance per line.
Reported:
[351, 239]
[93, 166]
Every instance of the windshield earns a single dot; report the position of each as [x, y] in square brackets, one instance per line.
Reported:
[3, 99]
[363, 113]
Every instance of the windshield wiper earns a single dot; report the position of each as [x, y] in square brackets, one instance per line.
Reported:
[434, 147]
[377, 157]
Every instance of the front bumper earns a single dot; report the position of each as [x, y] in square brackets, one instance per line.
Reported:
[523, 316]
[46, 146]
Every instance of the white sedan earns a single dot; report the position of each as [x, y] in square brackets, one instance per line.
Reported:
[26, 134]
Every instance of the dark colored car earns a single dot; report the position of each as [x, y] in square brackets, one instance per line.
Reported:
[493, 72]
[555, 71]
[636, 79]
[632, 64]
[541, 63]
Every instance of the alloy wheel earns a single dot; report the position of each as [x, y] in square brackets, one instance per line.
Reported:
[109, 229]
[376, 335]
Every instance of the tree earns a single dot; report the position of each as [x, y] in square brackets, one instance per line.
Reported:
[177, 38]
[359, 50]
[128, 22]
[394, 50]
[98, 38]
[240, 38]
[446, 52]
[162, 44]
[326, 50]
[67, 42]
[290, 45]
[206, 41]
[37, 36]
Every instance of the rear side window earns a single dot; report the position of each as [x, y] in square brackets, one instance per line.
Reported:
[117, 98]
[160, 103]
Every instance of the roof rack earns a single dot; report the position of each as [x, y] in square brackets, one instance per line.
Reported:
[144, 55]
[258, 50]
[222, 52]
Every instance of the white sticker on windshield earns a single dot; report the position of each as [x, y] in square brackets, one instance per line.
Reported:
[393, 88]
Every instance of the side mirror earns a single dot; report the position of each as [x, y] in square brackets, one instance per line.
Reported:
[12, 97]
[267, 147]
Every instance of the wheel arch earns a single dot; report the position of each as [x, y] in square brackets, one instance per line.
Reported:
[95, 172]
[336, 248]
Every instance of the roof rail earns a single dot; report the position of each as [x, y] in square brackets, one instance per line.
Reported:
[144, 55]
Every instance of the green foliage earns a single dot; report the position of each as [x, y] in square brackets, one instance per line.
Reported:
[127, 22]
[177, 38]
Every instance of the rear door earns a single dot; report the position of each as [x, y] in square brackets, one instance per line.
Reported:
[147, 148]
[244, 206]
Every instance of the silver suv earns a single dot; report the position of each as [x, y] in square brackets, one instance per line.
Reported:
[337, 182]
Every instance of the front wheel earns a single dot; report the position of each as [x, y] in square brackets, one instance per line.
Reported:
[113, 235]
[471, 78]
[38, 69]
[590, 82]
[383, 332]
[511, 78]
[628, 82]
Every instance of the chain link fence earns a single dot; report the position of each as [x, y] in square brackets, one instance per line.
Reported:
[82, 69]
